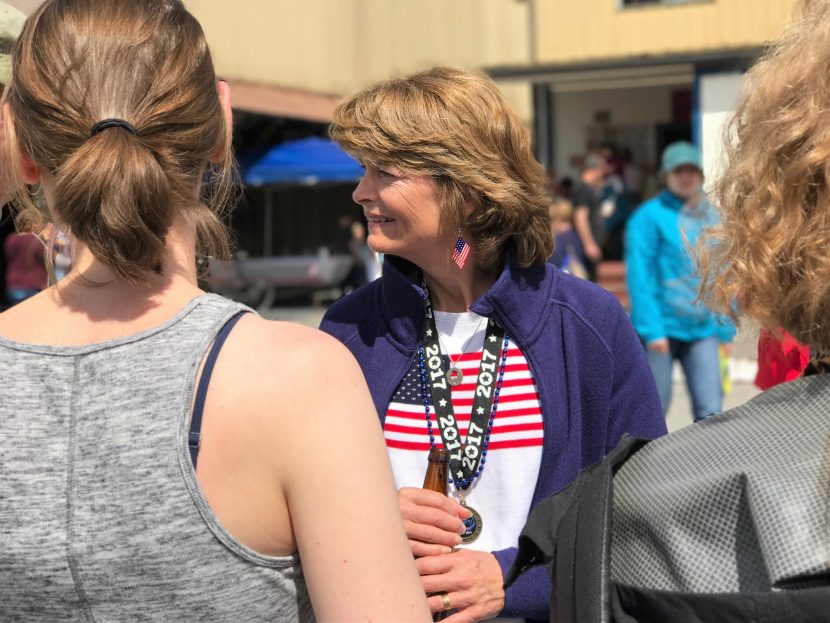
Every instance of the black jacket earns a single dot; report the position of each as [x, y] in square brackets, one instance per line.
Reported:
[724, 521]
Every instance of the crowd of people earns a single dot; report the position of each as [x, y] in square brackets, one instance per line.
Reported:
[600, 217]
[167, 454]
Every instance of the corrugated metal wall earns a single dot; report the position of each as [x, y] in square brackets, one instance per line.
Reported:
[584, 30]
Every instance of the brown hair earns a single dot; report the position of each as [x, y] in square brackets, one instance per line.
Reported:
[78, 62]
[456, 126]
[771, 253]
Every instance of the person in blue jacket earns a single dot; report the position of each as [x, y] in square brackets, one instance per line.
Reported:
[663, 284]
[471, 340]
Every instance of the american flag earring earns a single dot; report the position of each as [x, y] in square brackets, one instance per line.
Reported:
[460, 251]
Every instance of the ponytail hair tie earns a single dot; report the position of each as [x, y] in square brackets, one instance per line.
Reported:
[112, 123]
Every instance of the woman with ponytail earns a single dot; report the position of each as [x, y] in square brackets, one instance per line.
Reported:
[147, 474]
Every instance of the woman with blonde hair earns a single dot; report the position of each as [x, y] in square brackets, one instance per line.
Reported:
[471, 340]
[728, 519]
[147, 474]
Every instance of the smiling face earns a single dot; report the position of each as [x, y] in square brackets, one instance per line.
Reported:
[403, 215]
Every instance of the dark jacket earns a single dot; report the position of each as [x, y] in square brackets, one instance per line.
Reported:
[591, 372]
[725, 520]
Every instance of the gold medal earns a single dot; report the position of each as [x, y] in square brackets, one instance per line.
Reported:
[472, 525]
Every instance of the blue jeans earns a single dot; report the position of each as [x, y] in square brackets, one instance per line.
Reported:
[701, 365]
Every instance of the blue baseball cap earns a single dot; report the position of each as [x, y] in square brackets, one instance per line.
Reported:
[678, 154]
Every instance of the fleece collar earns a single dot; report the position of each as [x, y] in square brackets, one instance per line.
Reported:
[513, 300]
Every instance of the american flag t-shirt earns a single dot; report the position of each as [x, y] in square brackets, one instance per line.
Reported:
[518, 422]
[503, 492]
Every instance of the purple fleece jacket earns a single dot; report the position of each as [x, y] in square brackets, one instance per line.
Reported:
[591, 372]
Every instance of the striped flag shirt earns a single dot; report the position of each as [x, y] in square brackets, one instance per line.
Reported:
[504, 490]
[518, 422]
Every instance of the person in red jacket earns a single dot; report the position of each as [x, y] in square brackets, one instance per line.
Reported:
[781, 358]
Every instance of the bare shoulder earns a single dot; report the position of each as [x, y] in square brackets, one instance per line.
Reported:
[300, 391]
[316, 431]
[286, 371]
[37, 320]
[288, 346]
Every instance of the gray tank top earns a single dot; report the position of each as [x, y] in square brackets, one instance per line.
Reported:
[101, 515]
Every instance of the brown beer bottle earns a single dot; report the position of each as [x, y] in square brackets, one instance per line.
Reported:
[437, 479]
[438, 471]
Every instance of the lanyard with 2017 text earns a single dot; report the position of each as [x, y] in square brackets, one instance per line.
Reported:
[465, 455]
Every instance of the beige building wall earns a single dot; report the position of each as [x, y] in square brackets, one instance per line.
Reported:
[27, 7]
[338, 46]
[577, 31]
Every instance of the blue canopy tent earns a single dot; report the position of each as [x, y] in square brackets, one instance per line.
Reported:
[306, 162]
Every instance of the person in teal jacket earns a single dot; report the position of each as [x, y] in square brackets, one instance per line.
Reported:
[662, 284]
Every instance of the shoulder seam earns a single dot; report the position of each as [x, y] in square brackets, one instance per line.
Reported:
[586, 323]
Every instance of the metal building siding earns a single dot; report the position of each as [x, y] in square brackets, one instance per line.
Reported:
[338, 46]
[585, 30]
[280, 42]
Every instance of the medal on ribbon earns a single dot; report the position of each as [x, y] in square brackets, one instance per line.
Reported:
[465, 454]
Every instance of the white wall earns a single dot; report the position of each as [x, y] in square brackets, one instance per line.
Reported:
[718, 95]
[635, 111]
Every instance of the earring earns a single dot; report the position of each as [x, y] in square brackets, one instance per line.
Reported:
[460, 251]
[58, 253]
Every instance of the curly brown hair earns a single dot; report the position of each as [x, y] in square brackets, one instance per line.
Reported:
[456, 126]
[771, 252]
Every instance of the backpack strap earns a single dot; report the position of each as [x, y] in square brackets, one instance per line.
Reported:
[570, 532]
[194, 436]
